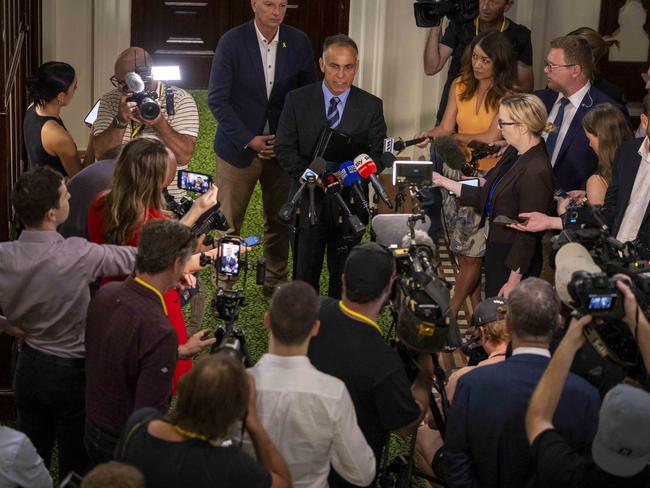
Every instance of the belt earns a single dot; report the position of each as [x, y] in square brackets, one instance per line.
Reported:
[53, 360]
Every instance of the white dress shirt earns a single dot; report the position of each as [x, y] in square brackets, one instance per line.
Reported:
[639, 200]
[569, 112]
[20, 464]
[268, 51]
[310, 418]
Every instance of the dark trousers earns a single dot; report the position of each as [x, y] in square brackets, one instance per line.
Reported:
[100, 445]
[497, 273]
[332, 233]
[50, 399]
[236, 186]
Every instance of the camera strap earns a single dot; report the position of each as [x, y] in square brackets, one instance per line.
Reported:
[504, 25]
[358, 316]
[141, 282]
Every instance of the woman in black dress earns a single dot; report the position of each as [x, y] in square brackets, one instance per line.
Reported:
[47, 141]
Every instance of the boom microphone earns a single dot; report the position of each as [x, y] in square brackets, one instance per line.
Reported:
[396, 145]
[134, 82]
[367, 168]
[450, 152]
[351, 178]
[333, 190]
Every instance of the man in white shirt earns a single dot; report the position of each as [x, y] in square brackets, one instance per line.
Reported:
[20, 464]
[569, 69]
[485, 442]
[308, 415]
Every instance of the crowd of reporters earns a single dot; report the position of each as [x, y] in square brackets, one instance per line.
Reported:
[96, 375]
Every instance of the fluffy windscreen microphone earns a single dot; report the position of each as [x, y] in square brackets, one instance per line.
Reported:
[421, 239]
[450, 152]
[134, 82]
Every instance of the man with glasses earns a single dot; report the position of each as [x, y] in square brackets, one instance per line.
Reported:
[458, 36]
[118, 121]
[569, 70]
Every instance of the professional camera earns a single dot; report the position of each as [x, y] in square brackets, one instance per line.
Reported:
[145, 100]
[596, 294]
[230, 338]
[429, 13]
[211, 219]
[420, 300]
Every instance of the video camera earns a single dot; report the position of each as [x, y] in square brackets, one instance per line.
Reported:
[429, 13]
[420, 301]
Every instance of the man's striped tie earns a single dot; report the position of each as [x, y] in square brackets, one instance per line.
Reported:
[333, 113]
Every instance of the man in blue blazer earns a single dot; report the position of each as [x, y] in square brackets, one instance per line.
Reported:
[569, 69]
[255, 65]
[485, 443]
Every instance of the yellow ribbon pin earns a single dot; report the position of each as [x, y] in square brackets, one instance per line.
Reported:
[284, 44]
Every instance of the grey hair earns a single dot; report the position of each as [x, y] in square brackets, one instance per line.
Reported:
[533, 307]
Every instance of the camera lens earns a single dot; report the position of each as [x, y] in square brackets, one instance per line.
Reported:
[149, 109]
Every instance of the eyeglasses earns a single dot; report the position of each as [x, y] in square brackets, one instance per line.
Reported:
[121, 85]
[501, 123]
[552, 66]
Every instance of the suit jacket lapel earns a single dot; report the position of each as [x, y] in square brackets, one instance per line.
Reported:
[281, 58]
[253, 48]
[348, 121]
[514, 171]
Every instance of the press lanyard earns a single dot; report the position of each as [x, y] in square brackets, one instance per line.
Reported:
[504, 24]
[493, 189]
[359, 316]
[136, 130]
[147, 285]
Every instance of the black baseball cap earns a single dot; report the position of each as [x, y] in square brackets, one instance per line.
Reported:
[489, 310]
[368, 269]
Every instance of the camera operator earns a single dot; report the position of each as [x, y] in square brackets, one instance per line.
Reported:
[620, 451]
[490, 325]
[44, 291]
[458, 36]
[291, 393]
[120, 376]
[485, 442]
[119, 121]
[191, 439]
[350, 346]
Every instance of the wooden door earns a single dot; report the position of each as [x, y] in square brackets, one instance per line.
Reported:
[20, 24]
[185, 33]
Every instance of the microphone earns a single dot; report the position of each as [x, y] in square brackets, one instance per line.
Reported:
[367, 168]
[351, 178]
[396, 144]
[134, 82]
[307, 180]
[333, 190]
[450, 152]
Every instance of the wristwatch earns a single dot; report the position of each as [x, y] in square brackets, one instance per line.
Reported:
[117, 124]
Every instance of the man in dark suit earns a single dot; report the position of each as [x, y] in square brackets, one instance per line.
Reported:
[569, 70]
[486, 442]
[255, 65]
[337, 104]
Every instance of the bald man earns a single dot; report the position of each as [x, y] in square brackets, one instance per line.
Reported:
[118, 121]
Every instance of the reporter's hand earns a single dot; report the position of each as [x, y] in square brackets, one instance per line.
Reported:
[574, 336]
[207, 200]
[577, 195]
[188, 280]
[251, 412]
[201, 246]
[562, 204]
[126, 111]
[535, 222]
[437, 180]
[195, 343]
[427, 141]
[632, 312]
[259, 143]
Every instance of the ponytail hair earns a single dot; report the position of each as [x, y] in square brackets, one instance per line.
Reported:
[51, 79]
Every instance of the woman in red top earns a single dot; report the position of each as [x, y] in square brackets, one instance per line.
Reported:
[145, 167]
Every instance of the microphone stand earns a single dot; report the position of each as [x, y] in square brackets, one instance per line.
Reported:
[311, 182]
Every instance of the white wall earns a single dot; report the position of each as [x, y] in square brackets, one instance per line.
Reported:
[88, 34]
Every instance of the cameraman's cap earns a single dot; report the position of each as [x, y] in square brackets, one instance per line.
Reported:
[368, 268]
[622, 443]
[489, 310]
[570, 258]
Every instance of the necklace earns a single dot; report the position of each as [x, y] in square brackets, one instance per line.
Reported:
[193, 435]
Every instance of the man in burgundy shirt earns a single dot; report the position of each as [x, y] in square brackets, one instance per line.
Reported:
[131, 346]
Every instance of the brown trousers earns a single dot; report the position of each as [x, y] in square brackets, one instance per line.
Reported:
[236, 186]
